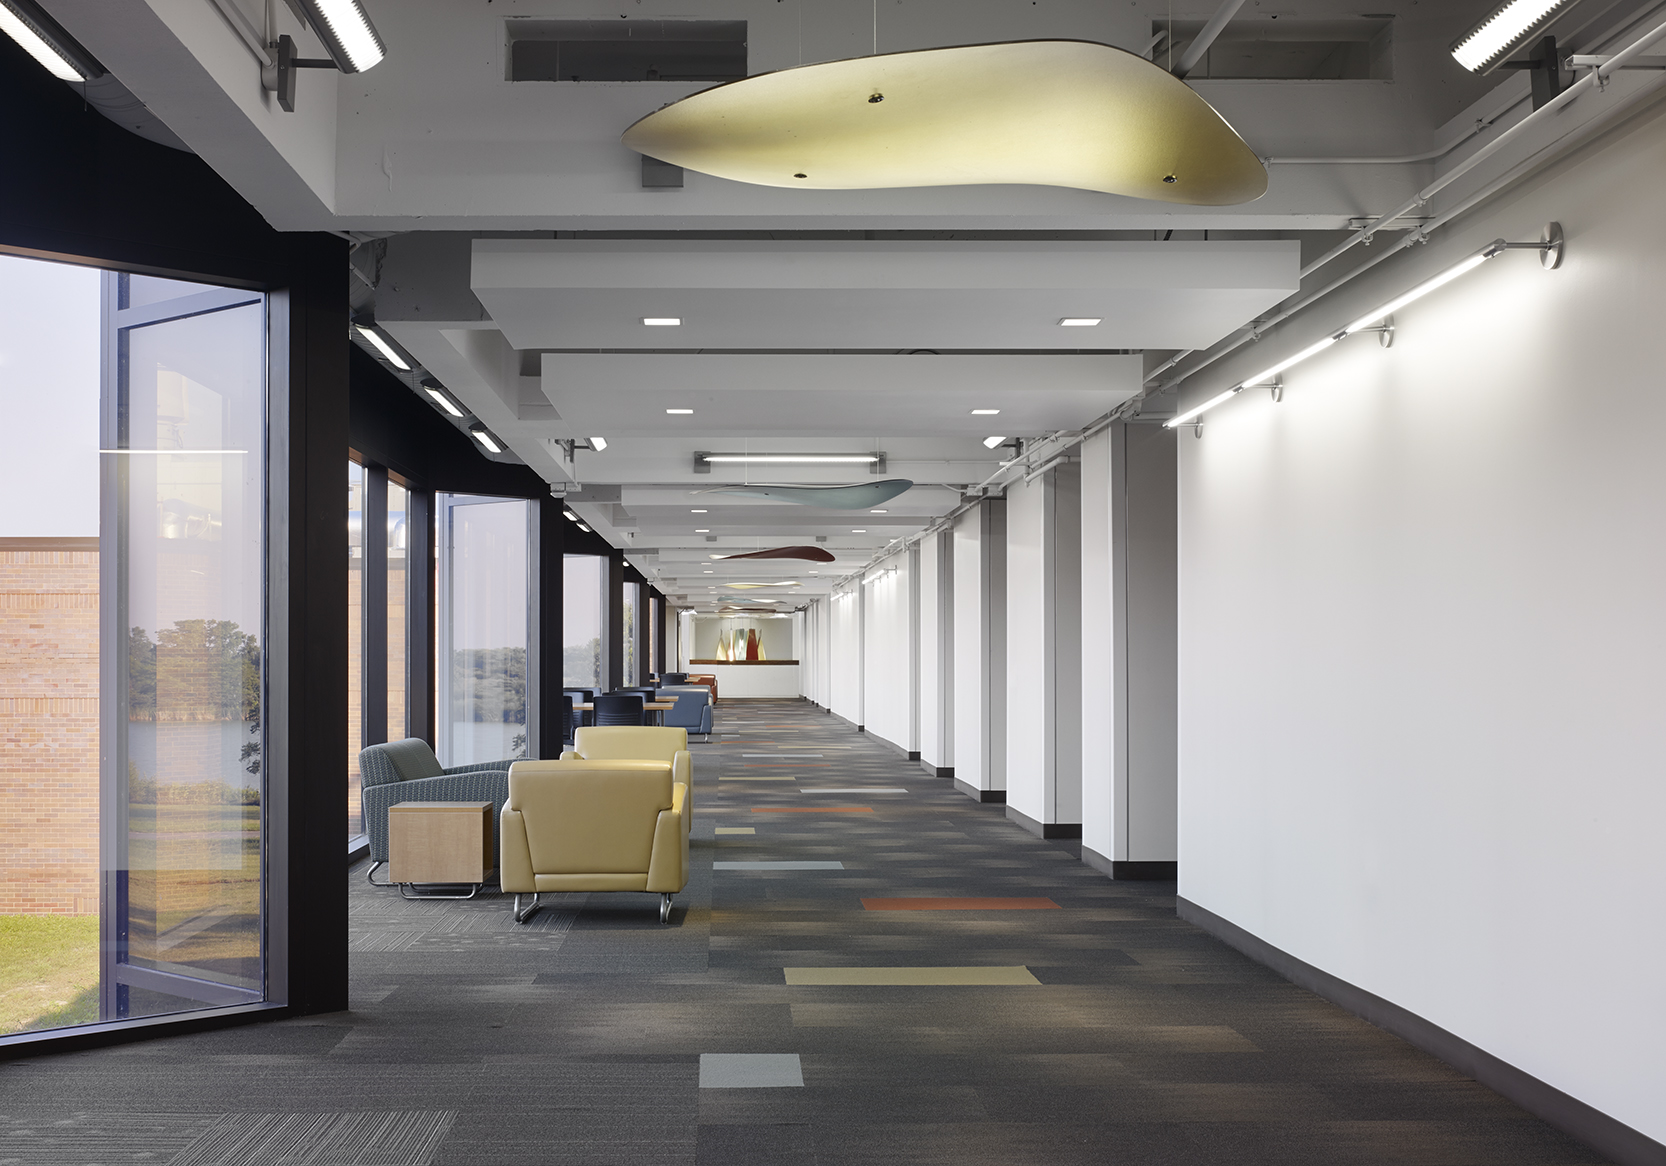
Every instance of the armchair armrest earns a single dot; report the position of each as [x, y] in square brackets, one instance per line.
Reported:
[515, 875]
[481, 767]
[668, 861]
[571, 755]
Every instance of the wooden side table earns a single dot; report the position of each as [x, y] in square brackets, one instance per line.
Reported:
[439, 842]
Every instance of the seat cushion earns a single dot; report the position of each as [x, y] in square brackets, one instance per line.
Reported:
[629, 742]
[590, 817]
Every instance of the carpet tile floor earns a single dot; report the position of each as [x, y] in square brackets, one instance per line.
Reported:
[819, 998]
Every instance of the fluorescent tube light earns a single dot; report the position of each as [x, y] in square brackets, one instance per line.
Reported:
[1421, 290]
[443, 400]
[795, 459]
[1173, 422]
[1081, 321]
[985, 412]
[662, 321]
[348, 36]
[485, 439]
[680, 412]
[598, 444]
[41, 37]
[1314, 349]
[585, 528]
[571, 517]
[1506, 29]
[383, 347]
[992, 442]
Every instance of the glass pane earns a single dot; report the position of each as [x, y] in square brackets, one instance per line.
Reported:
[581, 620]
[144, 290]
[482, 616]
[633, 606]
[186, 485]
[49, 667]
[396, 610]
[355, 644]
[653, 635]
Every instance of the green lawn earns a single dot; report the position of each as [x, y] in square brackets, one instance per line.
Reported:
[48, 971]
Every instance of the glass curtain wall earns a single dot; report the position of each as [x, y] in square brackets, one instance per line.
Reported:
[131, 736]
[655, 614]
[481, 654]
[583, 617]
[355, 644]
[633, 634]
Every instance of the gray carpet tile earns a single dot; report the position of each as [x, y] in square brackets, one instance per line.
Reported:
[578, 1038]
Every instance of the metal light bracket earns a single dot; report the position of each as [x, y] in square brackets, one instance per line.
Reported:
[1552, 246]
[279, 76]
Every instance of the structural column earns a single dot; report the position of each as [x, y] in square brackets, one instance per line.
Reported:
[1129, 669]
[936, 653]
[980, 651]
[545, 593]
[1044, 653]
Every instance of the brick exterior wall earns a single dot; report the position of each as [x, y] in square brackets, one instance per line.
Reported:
[49, 726]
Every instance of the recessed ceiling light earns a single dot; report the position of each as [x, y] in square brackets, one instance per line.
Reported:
[858, 532]
[984, 412]
[699, 512]
[702, 530]
[662, 321]
[707, 572]
[1081, 321]
[879, 512]
[680, 412]
[598, 443]
[992, 442]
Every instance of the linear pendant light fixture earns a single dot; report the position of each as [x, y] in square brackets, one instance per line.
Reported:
[1550, 250]
[1041, 113]
[1507, 28]
[45, 40]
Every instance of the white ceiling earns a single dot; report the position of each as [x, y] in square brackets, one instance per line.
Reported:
[745, 397]
[748, 294]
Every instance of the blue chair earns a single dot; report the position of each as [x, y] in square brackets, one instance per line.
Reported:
[619, 710]
[566, 719]
[673, 678]
[408, 771]
[693, 712]
[583, 696]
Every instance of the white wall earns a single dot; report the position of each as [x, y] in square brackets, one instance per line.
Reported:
[888, 657]
[1422, 641]
[1044, 647]
[844, 654]
[936, 657]
[980, 647]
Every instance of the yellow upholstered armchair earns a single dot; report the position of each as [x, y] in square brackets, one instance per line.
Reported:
[582, 825]
[638, 743]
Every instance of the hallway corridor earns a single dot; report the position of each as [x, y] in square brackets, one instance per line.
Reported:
[809, 1004]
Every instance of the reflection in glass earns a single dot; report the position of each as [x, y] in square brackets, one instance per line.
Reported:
[481, 654]
[582, 615]
[182, 901]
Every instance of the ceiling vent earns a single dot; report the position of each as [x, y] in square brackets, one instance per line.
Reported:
[1284, 48]
[627, 50]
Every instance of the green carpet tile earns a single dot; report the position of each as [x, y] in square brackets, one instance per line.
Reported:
[1105, 1031]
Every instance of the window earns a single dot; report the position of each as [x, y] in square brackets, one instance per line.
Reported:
[397, 600]
[582, 620]
[355, 645]
[633, 634]
[131, 731]
[481, 659]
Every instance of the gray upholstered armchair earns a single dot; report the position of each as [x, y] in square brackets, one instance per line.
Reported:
[408, 771]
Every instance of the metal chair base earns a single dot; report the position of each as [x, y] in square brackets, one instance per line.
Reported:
[405, 892]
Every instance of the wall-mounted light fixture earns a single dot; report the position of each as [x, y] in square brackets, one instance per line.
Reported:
[486, 439]
[45, 40]
[380, 343]
[342, 26]
[598, 444]
[441, 398]
[1549, 247]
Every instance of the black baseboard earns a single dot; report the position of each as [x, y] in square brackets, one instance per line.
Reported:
[909, 754]
[995, 796]
[1045, 829]
[1126, 871]
[938, 770]
[1609, 1137]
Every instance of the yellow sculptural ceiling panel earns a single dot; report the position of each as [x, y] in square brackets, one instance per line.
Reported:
[1048, 113]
